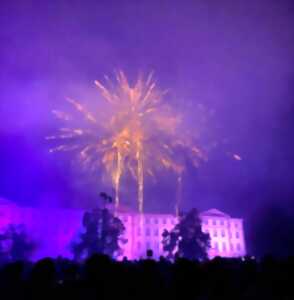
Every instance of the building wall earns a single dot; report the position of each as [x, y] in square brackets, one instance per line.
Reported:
[226, 234]
[144, 232]
[54, 229]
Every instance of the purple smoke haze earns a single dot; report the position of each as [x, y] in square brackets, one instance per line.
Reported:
[235, 57]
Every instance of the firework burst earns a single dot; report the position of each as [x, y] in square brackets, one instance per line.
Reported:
[140, 136]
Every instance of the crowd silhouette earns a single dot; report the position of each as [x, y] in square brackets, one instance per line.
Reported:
[100, 277]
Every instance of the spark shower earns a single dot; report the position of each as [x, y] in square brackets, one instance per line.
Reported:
[139, 135]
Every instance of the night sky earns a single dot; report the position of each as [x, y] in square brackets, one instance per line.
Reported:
[234, 57]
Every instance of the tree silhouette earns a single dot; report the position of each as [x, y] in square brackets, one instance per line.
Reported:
[186, 239]
[15, 244]
[103, 234]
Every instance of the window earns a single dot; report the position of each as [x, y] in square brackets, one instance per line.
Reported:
[216, 246]
[238, 247]
[139, 231]
[148, 245]
[147, 221]
[224, 247]
[222, 222]
[164, 221]
[236, 225]
[214, 222]
[147, 232]
[223, 233]
[156, 232]
[230, 234]
[232, 247]
[138, 245]
[215, 233]
[237, 235]
[125, 219]
[155, 221]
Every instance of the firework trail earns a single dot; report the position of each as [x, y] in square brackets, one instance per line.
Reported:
[140, 136]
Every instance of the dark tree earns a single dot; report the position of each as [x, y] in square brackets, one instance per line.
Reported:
[186, 239]
[15, 244]
[103, 234]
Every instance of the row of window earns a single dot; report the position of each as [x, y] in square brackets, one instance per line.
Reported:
[156, 221]
[148, 232]
[217, 246]
[222, 233]
[214, 222]
[214, 233]
[220, 222]
[150, 220]
[223, 247]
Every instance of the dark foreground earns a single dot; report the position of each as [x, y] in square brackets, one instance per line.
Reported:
[101, 278]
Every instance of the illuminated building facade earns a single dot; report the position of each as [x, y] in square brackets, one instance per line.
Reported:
[226, 233]
[54, 229]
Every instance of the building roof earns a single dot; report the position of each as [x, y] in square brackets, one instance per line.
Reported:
[213, 212]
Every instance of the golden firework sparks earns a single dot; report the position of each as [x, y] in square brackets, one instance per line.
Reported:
[140, 135]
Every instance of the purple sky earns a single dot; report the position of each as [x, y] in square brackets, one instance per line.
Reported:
[235, 57]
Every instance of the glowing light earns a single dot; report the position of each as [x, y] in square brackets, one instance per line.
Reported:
[139, 137]
[237, 157]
